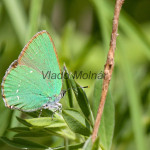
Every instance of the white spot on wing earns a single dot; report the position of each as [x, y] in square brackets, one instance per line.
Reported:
[18, 97]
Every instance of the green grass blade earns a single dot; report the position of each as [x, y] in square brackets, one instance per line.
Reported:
[103, 18]
[136, 33]
[34, 17]
[133, 100]
[18, 18]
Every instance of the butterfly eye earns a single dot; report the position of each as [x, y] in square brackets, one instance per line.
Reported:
[63, 93]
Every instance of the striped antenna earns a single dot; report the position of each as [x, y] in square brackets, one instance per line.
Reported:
[78, 87]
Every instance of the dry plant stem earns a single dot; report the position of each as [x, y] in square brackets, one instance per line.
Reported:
[108, 69]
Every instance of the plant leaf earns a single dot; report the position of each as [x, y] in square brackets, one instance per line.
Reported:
[97, 96]
[45, 126]
[62, 132]
[32, 134]
[46, 122]
[106, 128]
[23, 122]
[21, 143]
[19, 129]
[71, 147]
[67, 86]
[88, 144]
[82, 100]
[96, 145]
[76, 122]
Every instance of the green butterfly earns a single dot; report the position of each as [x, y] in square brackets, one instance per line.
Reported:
[23, 86]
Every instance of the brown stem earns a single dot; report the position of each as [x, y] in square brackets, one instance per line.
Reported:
[108, 69]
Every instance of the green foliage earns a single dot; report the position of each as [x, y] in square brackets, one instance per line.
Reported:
[89, 146]
[108, 118]
[72, 147]
[20, 143]
[76, 122]
[81, 33]
[67, 86]
[2, 48]
[71, 125]
[82, 100]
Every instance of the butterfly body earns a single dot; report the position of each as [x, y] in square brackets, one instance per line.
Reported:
[23, 86]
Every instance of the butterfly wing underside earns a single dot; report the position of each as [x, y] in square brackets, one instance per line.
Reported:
[23, 85]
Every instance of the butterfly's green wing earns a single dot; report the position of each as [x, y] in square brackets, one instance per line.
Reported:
[23, 86]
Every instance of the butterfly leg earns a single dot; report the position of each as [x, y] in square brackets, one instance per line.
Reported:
[54, 113]
[40, 113]
[56, 107]
[59, 107]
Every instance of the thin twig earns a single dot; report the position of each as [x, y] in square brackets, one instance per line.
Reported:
[108, 69]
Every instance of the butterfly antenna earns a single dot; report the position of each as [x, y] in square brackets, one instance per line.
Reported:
[78, 87]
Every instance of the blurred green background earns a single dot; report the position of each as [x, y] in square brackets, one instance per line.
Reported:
[81, 32]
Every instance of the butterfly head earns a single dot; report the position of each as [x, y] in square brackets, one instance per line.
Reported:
[62, 93]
